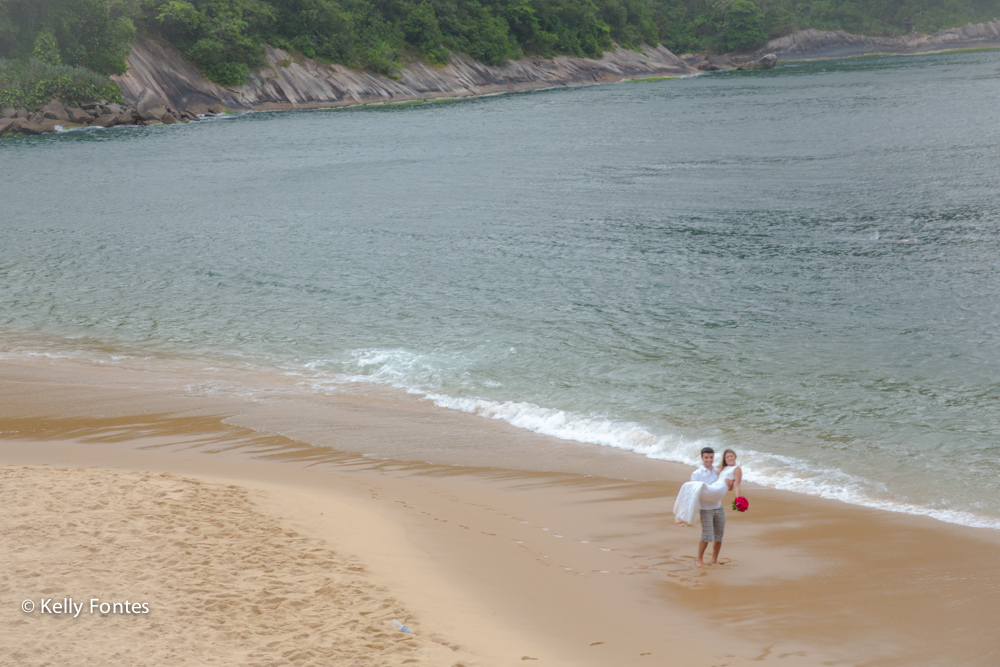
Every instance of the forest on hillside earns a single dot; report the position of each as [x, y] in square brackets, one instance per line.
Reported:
[74, 38]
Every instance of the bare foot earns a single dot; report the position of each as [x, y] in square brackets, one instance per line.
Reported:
[713, 562]
[700, 563]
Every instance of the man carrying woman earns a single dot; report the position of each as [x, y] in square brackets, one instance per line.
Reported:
[705, 492]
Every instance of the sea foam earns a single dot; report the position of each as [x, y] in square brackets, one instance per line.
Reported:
[420, 375]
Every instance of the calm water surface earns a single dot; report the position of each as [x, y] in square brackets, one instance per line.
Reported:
[802, 264]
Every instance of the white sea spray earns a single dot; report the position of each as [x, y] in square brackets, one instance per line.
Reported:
[414, 373]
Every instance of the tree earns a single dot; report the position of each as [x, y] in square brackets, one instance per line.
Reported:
[46, 49]
[422, 31]
[94, 33]
[742, 26]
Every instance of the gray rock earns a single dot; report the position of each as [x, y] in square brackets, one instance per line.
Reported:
[36, 117]
[149, 105]
[764, 62]
[829, 44]
[55, 111]
[707, 62]
[113, 108]
[6, 124]
[47, 125]
[106, 120]
[215, 109]
[22, 114]
[168, 119]
[77, 115]
[7, 112]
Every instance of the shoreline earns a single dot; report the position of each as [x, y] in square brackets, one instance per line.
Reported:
[159, 72]
[322, 412]
[286, 82]
[812, 44]
[887, 54]
[560, 567]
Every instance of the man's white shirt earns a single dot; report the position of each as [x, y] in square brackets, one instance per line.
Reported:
[709, 476]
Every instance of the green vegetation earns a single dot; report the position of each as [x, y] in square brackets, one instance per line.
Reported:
[226, 38]
[63, 49]
[224, 35]
[31, 84]
[95, 34]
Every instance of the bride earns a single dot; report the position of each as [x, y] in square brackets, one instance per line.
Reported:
[692, 494]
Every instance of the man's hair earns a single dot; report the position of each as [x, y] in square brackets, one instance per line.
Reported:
[707, 450]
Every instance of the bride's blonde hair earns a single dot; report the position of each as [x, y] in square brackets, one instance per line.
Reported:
[723, 466]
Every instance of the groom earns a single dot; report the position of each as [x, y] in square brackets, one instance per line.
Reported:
[713, 518]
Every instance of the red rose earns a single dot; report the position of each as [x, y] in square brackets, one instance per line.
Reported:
[741, 504]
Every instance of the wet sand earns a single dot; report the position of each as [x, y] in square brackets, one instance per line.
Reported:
[560, 562]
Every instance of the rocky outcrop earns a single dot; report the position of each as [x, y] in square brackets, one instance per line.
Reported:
[41, 127]
[764, 62]
[78, 115]
[149, 106]
[55, 115]
[808, 44]
[711, 62]
[288, 83]
[55, 111]
[707, 62]
[818, 44]
[174, 79]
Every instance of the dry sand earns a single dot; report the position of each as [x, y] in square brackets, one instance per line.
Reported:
[201, 576]
[490, 566]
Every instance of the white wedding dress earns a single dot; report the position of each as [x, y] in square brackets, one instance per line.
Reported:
[692, 494]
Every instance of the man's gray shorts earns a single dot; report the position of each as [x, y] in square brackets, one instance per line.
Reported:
[713, 525]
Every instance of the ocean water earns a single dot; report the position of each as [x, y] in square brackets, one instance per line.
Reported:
[802, 264]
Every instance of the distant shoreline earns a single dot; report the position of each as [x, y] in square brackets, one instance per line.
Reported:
[881, 54]
[832, 45]
[286, 82]
[289, 82]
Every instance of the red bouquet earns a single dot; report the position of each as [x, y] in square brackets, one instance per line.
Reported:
[741, 504]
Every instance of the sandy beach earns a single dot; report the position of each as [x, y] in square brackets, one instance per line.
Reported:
[250, 547]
